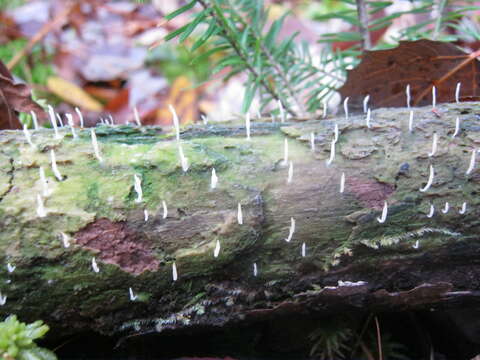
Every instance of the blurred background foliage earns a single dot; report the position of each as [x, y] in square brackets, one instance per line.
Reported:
[217, 58]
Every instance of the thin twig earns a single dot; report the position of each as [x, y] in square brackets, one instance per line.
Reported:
[468, 59]
[366, 351]
[9, 109]
[275, 66]
[44, 30]
[333, 76]
[440, 5]
[283, 76]
[360, 335]
[280, 72]
[379, 339]
[363, 19]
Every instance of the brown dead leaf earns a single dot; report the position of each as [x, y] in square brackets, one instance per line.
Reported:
[384, 75]
[14, 97]
[184, 98]
[8, 28]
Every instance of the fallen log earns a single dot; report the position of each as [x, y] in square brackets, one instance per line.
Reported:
[390, 223]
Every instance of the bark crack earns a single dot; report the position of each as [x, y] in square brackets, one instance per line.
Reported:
[11, 175]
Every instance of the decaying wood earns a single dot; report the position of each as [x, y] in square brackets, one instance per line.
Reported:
[352, 262]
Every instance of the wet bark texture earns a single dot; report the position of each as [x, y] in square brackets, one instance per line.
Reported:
[352, 262]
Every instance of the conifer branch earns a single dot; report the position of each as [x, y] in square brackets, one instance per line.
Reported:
[237, 49]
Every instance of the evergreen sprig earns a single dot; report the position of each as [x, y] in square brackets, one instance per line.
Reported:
[280, 71]
[283, 71]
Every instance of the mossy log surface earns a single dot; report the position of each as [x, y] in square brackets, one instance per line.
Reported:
[95, 206]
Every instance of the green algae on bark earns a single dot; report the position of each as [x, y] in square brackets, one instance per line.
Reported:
[95, 206]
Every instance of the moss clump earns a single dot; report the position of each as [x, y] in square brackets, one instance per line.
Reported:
[16, 340]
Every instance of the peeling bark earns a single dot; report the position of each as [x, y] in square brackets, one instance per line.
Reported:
[352, 262]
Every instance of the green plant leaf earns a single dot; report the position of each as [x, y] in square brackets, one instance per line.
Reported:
[183, 9]
[197, 20]
[244, 38]
[209, 53]
[175, 33]
[273, 31]
[248, 97]
[211, 31]
[228, 61]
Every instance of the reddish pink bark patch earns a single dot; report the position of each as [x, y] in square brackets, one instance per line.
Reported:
[369, 193]
[117, 244]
